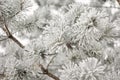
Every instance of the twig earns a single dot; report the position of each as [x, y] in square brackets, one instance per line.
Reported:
[22, 2]
[16, 41]
[118, 2]
[51, 61]
[9, 35]
[45, 71]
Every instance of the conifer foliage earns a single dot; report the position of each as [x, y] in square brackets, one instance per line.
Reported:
[59, 40]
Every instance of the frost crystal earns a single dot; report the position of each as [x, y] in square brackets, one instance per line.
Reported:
[59, 40]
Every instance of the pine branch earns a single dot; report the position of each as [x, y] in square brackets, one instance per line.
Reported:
[51, 60]
[118, 1]
[45, 71]
[9, 35]
[16, 41]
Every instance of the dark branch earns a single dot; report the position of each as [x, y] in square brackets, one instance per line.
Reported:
[16, 41]
[38, 2]
[9, 35]
[45, 71]
[118, 1]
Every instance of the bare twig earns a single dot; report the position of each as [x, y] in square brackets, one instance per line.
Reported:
[16, 41]
[118, 1]
[51, 61]
[45, 71]
[22, 2]
[9, 35]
